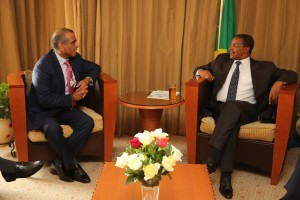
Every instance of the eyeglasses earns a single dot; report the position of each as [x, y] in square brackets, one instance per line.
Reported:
[236, 45]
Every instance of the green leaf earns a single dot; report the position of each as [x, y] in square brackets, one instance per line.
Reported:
[129, 179]
[4, 101]
[169, 175]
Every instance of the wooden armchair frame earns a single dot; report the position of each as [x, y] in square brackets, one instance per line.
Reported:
[267, 156]
[102, 99]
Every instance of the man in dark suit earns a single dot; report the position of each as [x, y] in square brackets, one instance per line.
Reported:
[12, 170]
[60, 79]
[243, 89]
[293, 185]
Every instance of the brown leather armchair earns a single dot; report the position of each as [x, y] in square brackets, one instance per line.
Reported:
[265, 156]
[102, 99]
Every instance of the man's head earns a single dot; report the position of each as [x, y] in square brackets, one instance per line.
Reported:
[64, 42]
[241, 46]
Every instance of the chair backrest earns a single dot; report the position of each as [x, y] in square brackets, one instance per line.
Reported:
[27, 78]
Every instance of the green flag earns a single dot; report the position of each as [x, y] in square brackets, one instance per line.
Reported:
[226, 27]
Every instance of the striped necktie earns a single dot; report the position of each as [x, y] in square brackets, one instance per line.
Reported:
[233, 83]
[70, 81]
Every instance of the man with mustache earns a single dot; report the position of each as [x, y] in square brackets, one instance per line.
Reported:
[243, 89]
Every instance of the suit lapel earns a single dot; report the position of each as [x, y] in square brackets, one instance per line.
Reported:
[226, 67]
[254, 73]
[58, 68]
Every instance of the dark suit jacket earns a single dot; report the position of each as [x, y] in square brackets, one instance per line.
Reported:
[47, 95]
[264, 75]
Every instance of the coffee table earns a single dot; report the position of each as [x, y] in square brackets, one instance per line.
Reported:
[189, 181]
[150, 109]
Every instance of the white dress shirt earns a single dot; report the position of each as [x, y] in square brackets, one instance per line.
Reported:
[62, 61]
[245, 90]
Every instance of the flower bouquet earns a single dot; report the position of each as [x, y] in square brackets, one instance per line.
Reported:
[148, 157]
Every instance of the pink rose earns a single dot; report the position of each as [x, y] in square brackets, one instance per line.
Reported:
[135, 143]
[163, 142]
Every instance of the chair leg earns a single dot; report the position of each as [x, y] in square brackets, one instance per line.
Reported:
[279, 153]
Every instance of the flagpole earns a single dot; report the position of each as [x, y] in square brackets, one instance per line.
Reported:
[220, 22]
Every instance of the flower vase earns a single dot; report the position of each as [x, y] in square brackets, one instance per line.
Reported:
[6, 131]
[150, 189]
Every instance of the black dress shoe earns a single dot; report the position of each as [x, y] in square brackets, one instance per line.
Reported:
[211, 167]
[79, 174]
[225, 187]
[59, 169]
[23, 170]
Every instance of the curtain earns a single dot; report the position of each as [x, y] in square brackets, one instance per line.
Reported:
[141, 44]
[145, 44]
[275, 27]
[9, 55]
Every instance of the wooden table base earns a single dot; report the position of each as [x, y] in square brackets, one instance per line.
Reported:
[150, 118]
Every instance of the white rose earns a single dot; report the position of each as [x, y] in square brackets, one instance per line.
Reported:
[159, 134]
[141, 156]
[134, 162]
[122, 160]
[145, 138]
[151, 170]
[177, 154]
[168, 163]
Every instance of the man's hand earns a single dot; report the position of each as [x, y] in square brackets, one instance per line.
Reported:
[273, 97]
[206, 74]
[81, 89]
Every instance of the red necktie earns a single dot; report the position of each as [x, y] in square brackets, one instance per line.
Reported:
[70, 81]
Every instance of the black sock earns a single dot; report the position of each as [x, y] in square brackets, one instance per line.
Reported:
[7, 166]
[226, 174]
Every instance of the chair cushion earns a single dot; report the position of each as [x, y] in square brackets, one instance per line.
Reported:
[253, 131]
[39, 136]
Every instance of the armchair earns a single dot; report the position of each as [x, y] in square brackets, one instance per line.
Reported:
[102, 99]
[267, 156]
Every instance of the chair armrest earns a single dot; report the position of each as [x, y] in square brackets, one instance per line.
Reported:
[196, 94]
[18, 112]
[285, 107]
[109, 93]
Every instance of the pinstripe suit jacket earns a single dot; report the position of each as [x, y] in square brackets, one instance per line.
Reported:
[47, 95]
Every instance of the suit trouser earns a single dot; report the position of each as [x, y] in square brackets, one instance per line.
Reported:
[293, 184]
[229, 117]
[68, 148]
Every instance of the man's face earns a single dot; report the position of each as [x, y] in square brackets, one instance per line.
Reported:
[237, 49]
[69, 48]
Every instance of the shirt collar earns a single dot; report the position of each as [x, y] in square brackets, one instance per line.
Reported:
[243, 61]
[60, 59]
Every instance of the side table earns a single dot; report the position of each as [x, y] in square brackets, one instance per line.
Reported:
[150, 109]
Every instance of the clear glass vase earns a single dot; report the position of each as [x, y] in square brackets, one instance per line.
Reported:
[150, 189]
